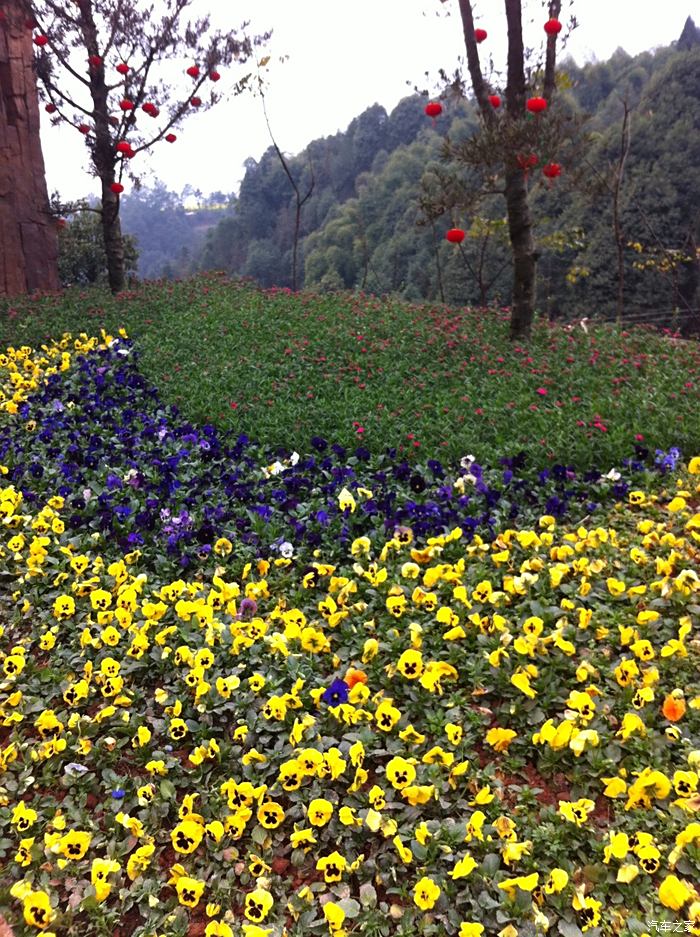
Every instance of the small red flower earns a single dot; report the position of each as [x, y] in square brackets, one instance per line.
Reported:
[542, 391]
[551, 170]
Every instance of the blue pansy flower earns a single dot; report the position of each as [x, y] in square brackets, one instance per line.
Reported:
[336, 693]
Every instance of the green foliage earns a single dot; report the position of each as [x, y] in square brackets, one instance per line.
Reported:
[81, 252]
[432, 380]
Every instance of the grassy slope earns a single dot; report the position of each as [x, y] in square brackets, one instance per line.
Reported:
[433, 380]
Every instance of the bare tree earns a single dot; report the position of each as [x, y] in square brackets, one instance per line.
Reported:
[103, 65]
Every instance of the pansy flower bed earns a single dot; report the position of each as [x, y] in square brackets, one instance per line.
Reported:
[409, 724]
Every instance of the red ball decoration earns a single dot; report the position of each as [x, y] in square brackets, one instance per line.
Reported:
[551, 170]
[214, 76]
[149, 108]
[40, 40]
[433, 109]
[117, 188]
[455, 235]
[123, 147]
[170, 137]
[196, 102]
[94, 61]
[480, 35]
[126, 105]
[536, 105]
[494, 100]
[50, 108]
[526, 161]
[83, 128]
[552, 27]
[193, 71]
[123, 68]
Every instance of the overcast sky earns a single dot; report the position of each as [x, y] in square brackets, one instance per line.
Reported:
[342, 58]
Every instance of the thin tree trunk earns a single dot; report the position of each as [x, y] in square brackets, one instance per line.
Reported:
[524, 255]
[28, 241]
[618, 232]
[114, 243]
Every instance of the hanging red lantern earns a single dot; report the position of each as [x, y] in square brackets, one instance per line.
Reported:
[455, 235]
[526, 161]
[551, 170]
[123, 68]
[170, 137]
[480, 35]
[494, 100]
[117, 188]
[123, 147]
[196, 102]
[83, 128]
[126, 105]
[214, 76]
[433, 109]
[150, 108]
[193, 71]
[552, 27]
[50, 108]
[40, 40]
[94, 61]
[536, 105]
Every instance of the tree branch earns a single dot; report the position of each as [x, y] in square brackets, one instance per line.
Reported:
[551, 58]
[481, 91]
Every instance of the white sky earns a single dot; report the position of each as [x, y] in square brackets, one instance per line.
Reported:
[342, 58]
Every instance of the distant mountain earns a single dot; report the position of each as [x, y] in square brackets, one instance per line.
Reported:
[362, 227]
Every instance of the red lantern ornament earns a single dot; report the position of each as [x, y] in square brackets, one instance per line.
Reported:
[150, 109]
[196, 102]
[455, 235]
[94, 61]
[117, 188]
[480, 35]
[124, 147]
[123, 68]
[552, 27]
[40, 40]
[193, 71]
[433, 109]
[526, 161]
[551, 170]
[494, 100]
[214, 76]
[170, 137]
[83, 128]
[50, 108]
[126, 105]
[536, 105]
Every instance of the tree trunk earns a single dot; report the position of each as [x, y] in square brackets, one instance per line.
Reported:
[114, 243]
[28, 241]
[524, 255]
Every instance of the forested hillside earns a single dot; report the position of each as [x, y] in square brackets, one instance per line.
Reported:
[363, 226]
